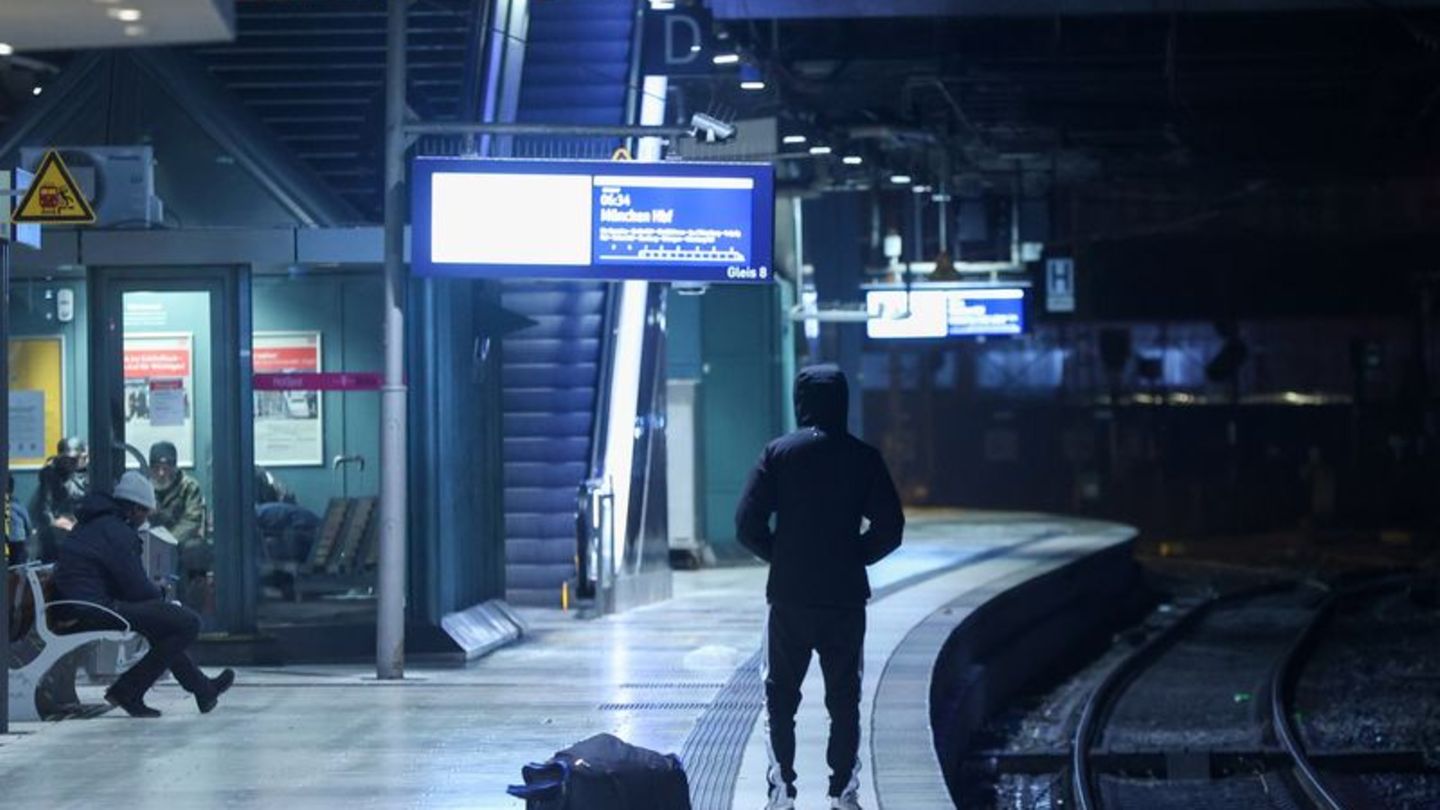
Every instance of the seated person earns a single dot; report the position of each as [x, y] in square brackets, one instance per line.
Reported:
[100, 563]
[180, 509]
[269, 489]
[62, 484]
[17, 543]
[287, 530]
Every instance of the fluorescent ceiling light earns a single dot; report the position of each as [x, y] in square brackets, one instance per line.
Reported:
[37, 90]
[726, 58]
[752, 85]
[134, 30]
[852, 160]
[922, 189]
[128, 15]
[901, 179]
[820, 150]
[6, 49]
[793, 139]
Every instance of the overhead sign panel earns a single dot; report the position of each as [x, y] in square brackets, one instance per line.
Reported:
[938, 313]
[595, 220]
[54, 197]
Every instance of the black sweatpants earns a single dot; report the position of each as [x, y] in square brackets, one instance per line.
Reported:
[170, 629]
[838, 635]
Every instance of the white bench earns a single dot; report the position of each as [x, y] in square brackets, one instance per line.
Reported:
[45, 684]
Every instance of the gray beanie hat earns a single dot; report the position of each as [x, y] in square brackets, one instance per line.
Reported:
[136, 489]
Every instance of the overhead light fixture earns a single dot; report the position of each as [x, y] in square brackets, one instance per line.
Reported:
[793, 140]
[726, 59]
[694, 49]
[820, 150]
[134, 30]
[752, 85]
[921, 189]
[36, 90]
[6, 49]
[900, 179]
[751, 78]
[128, 15]
[852, 160]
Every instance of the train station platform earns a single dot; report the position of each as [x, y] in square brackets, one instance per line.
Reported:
[678, 676]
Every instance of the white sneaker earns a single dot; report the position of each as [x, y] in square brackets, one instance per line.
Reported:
[849, 801]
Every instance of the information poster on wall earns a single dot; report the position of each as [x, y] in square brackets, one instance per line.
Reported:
[289, 427]
[159, 392]
[36, 399]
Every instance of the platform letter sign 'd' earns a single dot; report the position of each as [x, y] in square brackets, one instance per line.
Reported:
[1060, 285]
[54, 197]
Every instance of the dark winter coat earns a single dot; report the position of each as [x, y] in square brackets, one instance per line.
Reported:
[100, 561]
[819, 482]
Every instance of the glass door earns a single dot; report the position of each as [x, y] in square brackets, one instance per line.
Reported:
[169, 375]
[317, 459]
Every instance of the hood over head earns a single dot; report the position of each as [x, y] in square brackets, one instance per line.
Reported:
[822, 398]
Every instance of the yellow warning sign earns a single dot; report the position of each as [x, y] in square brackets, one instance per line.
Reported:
[54, 197]
[621, 153]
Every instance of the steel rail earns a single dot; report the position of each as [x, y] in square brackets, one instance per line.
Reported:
[1287, 675]
[1103, 698]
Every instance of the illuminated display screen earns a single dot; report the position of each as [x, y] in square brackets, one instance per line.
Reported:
[595, 220]
[945, 312]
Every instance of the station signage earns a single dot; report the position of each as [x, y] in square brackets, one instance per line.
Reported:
[945, 312]
[592, 220]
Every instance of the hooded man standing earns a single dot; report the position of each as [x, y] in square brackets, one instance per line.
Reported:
[100, 563]
[822, 485]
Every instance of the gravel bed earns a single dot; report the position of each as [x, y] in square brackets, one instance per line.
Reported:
[1373, 682]
[1206, 691]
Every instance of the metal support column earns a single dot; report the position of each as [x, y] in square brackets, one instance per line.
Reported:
[5, 460]
[390, 616]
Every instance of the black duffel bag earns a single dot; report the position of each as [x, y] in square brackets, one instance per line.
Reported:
[605, 773]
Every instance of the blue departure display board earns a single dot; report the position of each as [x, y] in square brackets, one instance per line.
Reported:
[944, 312]
[594, 220]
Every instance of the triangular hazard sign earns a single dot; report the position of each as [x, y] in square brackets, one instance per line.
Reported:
[54, 196]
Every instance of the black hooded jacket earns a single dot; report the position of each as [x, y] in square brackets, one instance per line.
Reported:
[819, 482]
[100, 561]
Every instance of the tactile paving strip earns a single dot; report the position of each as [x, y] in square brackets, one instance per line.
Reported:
[716, 744]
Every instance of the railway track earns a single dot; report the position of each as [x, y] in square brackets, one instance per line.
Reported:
[1202, 714]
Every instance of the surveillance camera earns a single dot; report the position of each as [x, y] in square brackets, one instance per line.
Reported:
[711, 129]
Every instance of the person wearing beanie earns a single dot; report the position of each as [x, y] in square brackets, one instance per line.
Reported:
[101, 563]
[180, 509]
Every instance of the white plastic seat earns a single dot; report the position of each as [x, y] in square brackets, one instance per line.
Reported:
[42, 686]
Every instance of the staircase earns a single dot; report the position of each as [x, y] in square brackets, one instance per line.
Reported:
[577, 66]
[314, 72]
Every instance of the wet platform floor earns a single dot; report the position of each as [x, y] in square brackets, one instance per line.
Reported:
[332, 736]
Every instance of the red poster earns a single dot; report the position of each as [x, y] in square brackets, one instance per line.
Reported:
[285, 359]
[144, 363]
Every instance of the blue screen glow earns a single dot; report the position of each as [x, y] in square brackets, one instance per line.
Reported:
[595, 220]
[937, 313]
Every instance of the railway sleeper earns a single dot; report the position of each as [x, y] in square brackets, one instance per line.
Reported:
[1198, 764]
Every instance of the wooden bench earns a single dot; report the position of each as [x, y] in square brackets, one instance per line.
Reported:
[44, 649]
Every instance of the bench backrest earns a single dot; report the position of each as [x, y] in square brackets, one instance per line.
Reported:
[22, 599]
